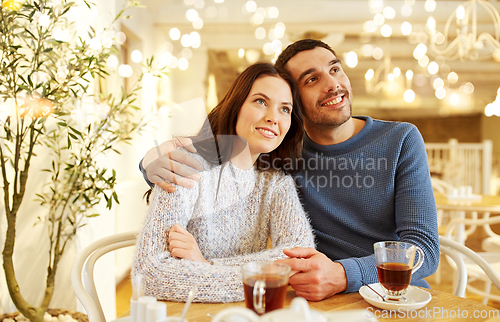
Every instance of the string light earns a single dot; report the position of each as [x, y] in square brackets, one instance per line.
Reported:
[120, 37]
[174, 34]
[112, 62]
[36, 107]
[183, 64]
[273, 12]
[494, 107]
[351, 59]
[387, 78]
[136, 56]
[250, 6]
[125, 71]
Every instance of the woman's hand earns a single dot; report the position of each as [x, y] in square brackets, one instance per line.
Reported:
[182, 244]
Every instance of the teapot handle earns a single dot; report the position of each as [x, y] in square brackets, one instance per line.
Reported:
[300, 305]
[239, 312]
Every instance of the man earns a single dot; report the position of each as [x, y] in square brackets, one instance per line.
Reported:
[363, 181]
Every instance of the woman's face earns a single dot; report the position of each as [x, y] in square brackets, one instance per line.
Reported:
[265, 117]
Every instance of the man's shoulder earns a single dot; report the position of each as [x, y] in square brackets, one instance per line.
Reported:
[393, 128]
[393, 124]
[389, 133]
[373, 124]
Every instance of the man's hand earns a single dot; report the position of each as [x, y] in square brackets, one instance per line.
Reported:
[182, 244]
[170, 166]
[315, 277]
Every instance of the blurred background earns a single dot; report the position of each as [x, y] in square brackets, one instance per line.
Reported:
[405, 59]
[435, 64]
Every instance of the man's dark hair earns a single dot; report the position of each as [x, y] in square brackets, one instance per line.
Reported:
[297, 47]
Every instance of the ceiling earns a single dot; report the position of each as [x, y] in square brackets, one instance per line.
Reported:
[340, 23]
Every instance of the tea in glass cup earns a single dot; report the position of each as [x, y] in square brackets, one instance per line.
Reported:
[395, 264]
[265, 285]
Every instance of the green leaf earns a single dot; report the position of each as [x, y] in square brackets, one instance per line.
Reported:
[76, 131]
[22, 78]
[109, 203]
[115, 196]
[65, 10]
[31, 34]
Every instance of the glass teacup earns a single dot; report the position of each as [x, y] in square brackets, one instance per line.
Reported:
[395, 264]
[265, 284]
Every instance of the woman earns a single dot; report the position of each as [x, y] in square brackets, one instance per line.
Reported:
[201, 236]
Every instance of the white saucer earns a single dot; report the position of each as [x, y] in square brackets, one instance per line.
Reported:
[416, 298]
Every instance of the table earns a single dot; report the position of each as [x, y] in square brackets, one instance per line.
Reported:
[440, 301]
[487, 204]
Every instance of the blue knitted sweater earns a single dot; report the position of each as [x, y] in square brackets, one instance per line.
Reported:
[373, 187]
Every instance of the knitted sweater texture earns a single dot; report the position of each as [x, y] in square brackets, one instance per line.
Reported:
[373, 187]
[251, 207]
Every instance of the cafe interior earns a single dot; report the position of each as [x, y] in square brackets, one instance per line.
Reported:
[435, 64]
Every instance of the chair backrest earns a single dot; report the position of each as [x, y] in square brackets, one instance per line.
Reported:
[82, 275]
[461, 277]
[471, 223]
[448, 244]
[462, 164]
[441, 186]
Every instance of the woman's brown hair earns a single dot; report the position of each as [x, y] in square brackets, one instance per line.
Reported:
[215, 141]
[220, 125]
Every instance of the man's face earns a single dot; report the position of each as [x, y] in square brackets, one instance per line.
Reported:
[324, 88]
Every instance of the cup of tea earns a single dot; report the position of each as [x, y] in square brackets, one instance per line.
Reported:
[265, 285]
[395, 264]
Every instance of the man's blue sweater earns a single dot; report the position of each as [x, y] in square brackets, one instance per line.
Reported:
[373, 187]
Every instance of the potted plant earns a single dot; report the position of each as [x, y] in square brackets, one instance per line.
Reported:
[45, 71]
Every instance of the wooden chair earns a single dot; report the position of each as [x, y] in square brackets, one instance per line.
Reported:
[443, 216]
[447, 247]
[82, 275]
[441, 186]
[475, 269]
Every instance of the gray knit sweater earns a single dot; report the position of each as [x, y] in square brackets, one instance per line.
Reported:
[251, 207]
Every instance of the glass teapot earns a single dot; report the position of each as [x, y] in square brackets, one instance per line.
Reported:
[298, 311]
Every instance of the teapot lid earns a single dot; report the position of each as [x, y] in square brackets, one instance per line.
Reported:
[298, 311]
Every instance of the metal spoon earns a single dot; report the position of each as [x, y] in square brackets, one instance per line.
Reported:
[188, 302]
[383, 299]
